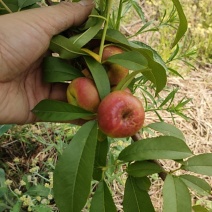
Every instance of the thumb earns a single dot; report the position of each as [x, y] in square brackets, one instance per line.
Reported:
[57, 18]
[52, 19]
[64, 15]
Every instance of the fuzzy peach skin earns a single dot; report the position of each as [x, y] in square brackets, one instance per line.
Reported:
[120, 114]
[82, 92]
[115, 72]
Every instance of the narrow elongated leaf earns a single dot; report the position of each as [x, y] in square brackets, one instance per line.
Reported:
[92, 19]
[143, 183]
[38, 190]
[174, 54]
[100, 158]
[73, 172]
[81, 39]
[99, 75]
[12, 5]
[176, 196]
[57, 70]
[2, 177]
[136, 199]
[132, 60]
[201, 164]
[124, 83]
[169, 98]
[52, 110]
[102, 199]
[148, 51]
[162, 147]
[142, 29]
[175, 72]
[167, 129]
[26, 3]
[114, 36]
[199, 208]
[3, 186]
[157, 75]
[196, 184]
[138, 10]
[143, 168]
[65, 48]
[17, 207]
[4, 128]
[42, 208]
[182, 28]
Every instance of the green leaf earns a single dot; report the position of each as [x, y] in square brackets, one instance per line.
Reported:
[99, 75]
[136, 199]
[196, 184]
[176, 196]
[114, 36]
[3, 187]
[42, 208]
[143, 183]
[201, 164]
[162, 147]
[38, 190]
[124, 83]
[175, 72]
[169, 98]
[143, 168]
[26, 3]
[182, 28]
[4, 207]
[199, 208]
[17, 207]
[132, 60]
[174, 54]
[4, 128]
[2, 177]
[138, 10]
[3, 191]
[65, 48]
[73, 172]
[91, 21]
[12, 5]
[58, 70]
[81, 39]
[100, 158]
[102, 199]
[145, 26]
[52, 110]
[157, 75]
[167, 129]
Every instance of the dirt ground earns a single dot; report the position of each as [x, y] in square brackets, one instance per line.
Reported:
[198, 130]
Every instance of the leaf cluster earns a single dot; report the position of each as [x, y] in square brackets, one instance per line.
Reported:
[94, 160]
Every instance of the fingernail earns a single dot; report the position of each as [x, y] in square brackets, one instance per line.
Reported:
[86, 2]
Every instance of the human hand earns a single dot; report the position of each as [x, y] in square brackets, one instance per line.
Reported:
[24, 39]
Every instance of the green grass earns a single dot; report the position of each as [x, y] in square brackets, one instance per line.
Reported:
[29, 154]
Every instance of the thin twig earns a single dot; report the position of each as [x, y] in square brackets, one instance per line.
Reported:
[163, 174]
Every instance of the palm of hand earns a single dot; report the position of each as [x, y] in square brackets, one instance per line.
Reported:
[24, 40]
[21, 85]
